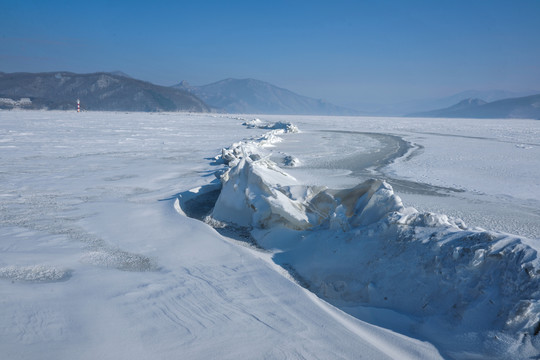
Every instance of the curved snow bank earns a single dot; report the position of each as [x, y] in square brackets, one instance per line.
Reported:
[454, 280]
[361, 246]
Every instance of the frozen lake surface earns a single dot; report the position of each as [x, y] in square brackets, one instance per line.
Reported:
[97, 262]
[486, 170]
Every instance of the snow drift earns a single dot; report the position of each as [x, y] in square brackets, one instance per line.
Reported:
[362, 246]
[36, 273]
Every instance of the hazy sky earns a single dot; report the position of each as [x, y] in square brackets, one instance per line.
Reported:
[347, 52]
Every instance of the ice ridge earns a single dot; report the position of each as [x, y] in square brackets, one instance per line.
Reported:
[362, 246]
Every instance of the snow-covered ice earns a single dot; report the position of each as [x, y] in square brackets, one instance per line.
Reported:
[99, 260]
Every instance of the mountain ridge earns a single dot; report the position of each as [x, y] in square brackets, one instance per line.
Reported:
[96, 91]
[518, 107]
[403, 108]
[257, 97]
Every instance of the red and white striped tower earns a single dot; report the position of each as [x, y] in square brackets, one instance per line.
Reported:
[78, 105]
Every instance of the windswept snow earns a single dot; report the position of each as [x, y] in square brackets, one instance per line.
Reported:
[96, 263]
[99, 260]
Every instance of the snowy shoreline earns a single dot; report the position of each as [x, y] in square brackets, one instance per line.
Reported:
[351, 247]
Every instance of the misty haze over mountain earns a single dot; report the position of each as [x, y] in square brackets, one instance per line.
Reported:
[527, 107]
[118, 91]
[428, 104]
[259, 97]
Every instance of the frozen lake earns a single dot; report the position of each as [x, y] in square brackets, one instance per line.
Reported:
[95, 262]
[483, 171]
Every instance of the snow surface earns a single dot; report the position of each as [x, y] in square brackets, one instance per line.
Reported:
[98, 260]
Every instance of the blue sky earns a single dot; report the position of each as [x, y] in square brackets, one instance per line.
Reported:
[347, 52]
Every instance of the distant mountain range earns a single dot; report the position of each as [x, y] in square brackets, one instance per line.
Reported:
[249, 96]
[526, 107]
[98, 91]
[429, 104]
[117, 91]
